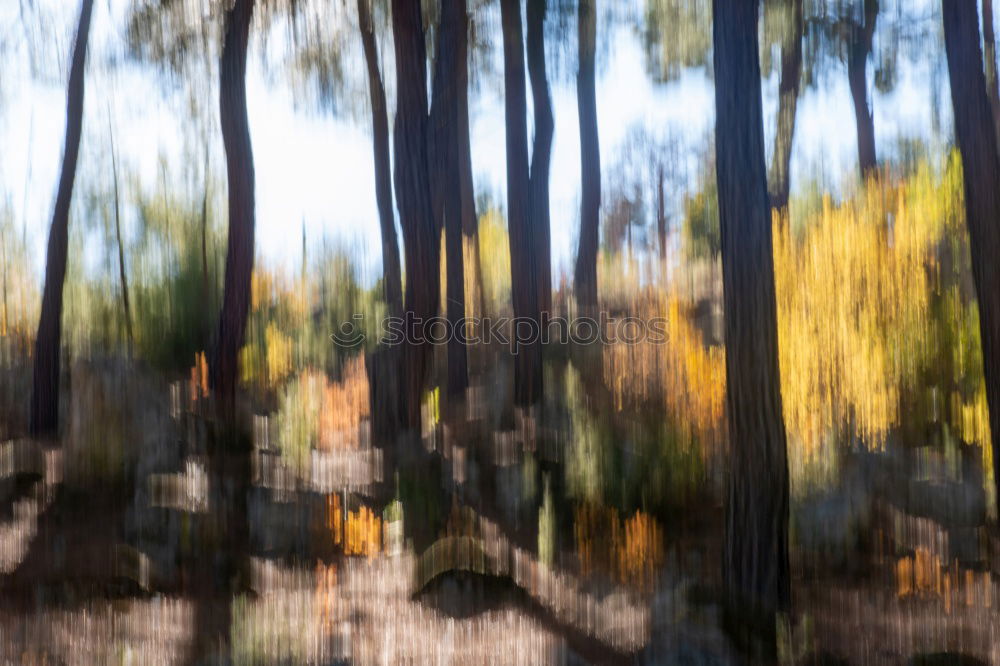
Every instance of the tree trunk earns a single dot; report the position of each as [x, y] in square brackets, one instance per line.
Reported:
[391, 273]
[788, 98]
[661, 214]
[421, 234]
[992, 85]
[524, 286]
[756, 540]
[205, 322]
[859, 49]
[45, 387]
[240, 172]
[470, 219]
[590, 160]
[980, 166]
[452, 51]
[121, 250]
[541, 152]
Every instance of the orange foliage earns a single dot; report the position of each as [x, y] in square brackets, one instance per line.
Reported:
[685, 376]
[362, 534]
[631, 551]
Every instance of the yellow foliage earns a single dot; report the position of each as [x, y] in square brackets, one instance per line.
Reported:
[363, 533]
[494, 250]
[688, 377]
[854, 294]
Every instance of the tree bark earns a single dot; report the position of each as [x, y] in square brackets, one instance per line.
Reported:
[541, 152]
[859, 49]
[661, 213]
[240, 172]
[452, 52]
[44, 418]
[524, 285]
[590, 160]
[980, 166]
[470, 219]
[121, 250]
[992, 85]
[756, 539]
[788, 98]
[421, 234]
[391, 272]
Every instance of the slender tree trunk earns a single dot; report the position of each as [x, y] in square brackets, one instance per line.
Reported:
[524, 289]
[391, 273]
[590, 160]
[451, 53]
[121, 250]
[992, 85]
[205, 294]
[421, 234]
[240, 172]
[45, 388]
[756, 540]
[980, 166]
[859, 49]
[228, 449]
[788, 98]
[541, 152]
[661, 213]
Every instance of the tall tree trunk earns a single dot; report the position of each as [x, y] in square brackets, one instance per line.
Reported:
[45, 387]
[470, 219]
[524, 286]
[206, 293]
[452, 52]
[992, 85]
[858, 50]
[590, 160]
[541, 152]
[391, 273]
[756, 540]
[788, 98]
[661, 213]
[118, 237]
[421, 234]
[980, 166]
[240, 172]
[228, 448]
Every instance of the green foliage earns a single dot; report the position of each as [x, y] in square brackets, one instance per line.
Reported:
[678, 34]
[702, 238]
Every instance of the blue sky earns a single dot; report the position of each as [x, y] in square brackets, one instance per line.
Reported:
[316, 170]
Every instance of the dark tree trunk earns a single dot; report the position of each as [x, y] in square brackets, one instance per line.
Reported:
[524, 289]
[123, 279]
[391, 273]
[788, 98]
[541, 152]
[452, 52]
[206, 292]
[45, 388]
[590, 160]
[661, 214]
[858, 50]
[980, 166]
[756, 540]
[992, 85]
[240, 172]
[470, 219]
[421, 234]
